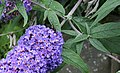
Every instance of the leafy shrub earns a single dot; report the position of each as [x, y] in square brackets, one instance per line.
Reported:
[77, 20]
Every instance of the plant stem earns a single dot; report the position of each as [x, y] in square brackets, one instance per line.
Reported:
[74, 27]
[72, 11]
[11, 32]
[114, 58]
[74, 8]
[62, 23]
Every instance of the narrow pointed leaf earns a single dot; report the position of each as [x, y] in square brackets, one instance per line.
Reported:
[79, 47]
[71, 58]
[1, 9]
[80, 38]
[106, 30]
[98, 45]
[112, 44]
[105, 9]
[22, 11]
[45, 15]
[70, 32]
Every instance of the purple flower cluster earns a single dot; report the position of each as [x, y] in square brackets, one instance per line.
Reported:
[38, 51]
[10, 5]
[27, 4]
[0, 2]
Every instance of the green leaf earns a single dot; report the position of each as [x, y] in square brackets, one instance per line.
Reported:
[13, 26]
[105, 9]
[80, 23]
[45, 15]
[88, 29]
[4, 40]
[71, 58]
[106, 30]
[79, 47]
[1, 9]
[80, 38]
[22, 11]
[39, 6]
[46, 2]
[67, 44]
[56, 6]
[8, 28]
[112, 44]
[53, 19]
[98, 45]
[70, 32]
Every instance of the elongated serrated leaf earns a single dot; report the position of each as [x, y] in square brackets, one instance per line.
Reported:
[70, 57]
[105, 9]
[106, 30]
[70, 32]
[56, 6]
[98, 45]
[112, 44]
[53, 19]
[22, 11]
[79, 47]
